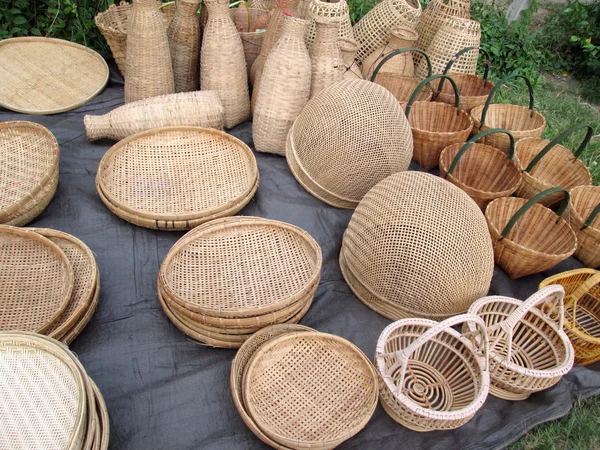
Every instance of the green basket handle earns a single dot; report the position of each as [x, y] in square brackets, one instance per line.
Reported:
[468, 144]
[591, 217]
[390, 55]
[532, 201]
[426, 81]
[558, 139]
[458, 55]
[498, 85]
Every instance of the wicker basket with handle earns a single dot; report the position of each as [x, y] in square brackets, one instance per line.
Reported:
[584, 216]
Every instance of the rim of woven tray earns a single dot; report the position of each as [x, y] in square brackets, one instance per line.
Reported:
[321, 444]
[479, 109]
[15, 206]
[78, 327]
[87, 295]
[191, 130]
[104, 420]
[235, 222]
[439, 105]
[58, 42]
[69, 274]
[573, 211]
[463, 413]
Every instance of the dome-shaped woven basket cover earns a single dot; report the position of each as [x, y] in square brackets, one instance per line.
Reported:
[36, 279]
[348, 138]
[241, 266]
[177, 173]
[310, 389]
[421, 245]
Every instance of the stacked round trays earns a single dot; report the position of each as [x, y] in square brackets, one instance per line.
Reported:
[227, 279]
[28, 170]
[50, 282]
[176, 178]
[47, 399]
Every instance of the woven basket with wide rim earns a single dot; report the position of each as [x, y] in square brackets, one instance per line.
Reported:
[522, 122]
[482, 171]
[529, 351]
[582, 311]
[528, 238]
[584, 218]
[309, 390]
[452, 267]
[432, 377]
[547, 164]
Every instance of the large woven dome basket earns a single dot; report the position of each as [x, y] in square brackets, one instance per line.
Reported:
[528, 238]
[547, 164]
[482, 171]
[582, 311]
[584, 216]
[349, 137]
[452, 267]
[522, 122]
[431, 377]
[529, 351]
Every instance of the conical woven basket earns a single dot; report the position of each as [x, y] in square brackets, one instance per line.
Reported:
[547, 164]
[402, 64]
[528, 238]
[529, 351]
[348, 48]
[584, 218]
[319, 9]
[432, 377]
[184, 44]
[454, 264]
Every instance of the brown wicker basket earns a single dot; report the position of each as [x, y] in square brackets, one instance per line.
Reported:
[483, 172]
[528, 238]
[584, 211]
[529, 351]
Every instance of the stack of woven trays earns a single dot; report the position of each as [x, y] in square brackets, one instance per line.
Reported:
[297, 388]
[47, 400]
[50, 282]
[228, 278]
[28, 170]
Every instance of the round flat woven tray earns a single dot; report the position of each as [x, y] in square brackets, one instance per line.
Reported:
[103, 419]
[48, 76]
[83, 321]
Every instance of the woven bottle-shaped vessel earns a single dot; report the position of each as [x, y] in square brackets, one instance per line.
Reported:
[184, 42]
[348, 49]
[326, 59]
[223, 64]
[328, 9]
[285, 88]
[149, 69]
[402, 64]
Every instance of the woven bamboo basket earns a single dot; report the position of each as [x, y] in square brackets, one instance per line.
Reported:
[402, 64]
[454, 264]
[432, 377]
[326, 58]
[435, 126]
[583, 217]
[359, 128]
[582, 311]
[520, 121]
[324, 10]
[348, 49]
[473, 90]
[283, 372]
[528, 238]
[184, 43]
[547, 164]
[529, 351]
[265, 5]
[483, 172]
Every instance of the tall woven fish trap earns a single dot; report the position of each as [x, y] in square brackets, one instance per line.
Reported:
[528, 237]
[402, 64]
[432, 377]
[356, 126]
[529, 351]
[325, 56]
[408, 210]
[582, 311]
[482, 171]
[522, 122]
[319, 9]
[583, 215]
[373, 30]
[348, 49]
[184, 44]
[435, 126]
[547, 164]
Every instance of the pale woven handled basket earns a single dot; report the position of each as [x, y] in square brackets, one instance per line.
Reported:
[584, 211]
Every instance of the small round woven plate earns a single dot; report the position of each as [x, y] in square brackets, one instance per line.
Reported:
[48, 76]
[310, 390]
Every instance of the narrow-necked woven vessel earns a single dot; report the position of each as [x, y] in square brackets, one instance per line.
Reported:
[432, 377]
[358, 128]
[330, 377]
[452, 267]
[319, 9]
[584, 218]
[178, 176]
[325, 55]
[48, 76]
[184, 45]
[529, 351]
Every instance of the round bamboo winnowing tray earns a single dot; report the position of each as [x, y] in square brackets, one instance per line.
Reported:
[48, 76]
[417, 246]
[36, 278]
[177, 176]
[309, 390]
[84, 320]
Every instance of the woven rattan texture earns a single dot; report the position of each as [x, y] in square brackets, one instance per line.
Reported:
[248, 21]
[328, 10]
[104, 421]
[583, 201]
[83, 321]
[184, 43]
[272, 35]
[348, 49]
[325, 56]
[402, 64]
[359, 128]
[35, 205]
[421, 245]
[473, 91]
[403, 87]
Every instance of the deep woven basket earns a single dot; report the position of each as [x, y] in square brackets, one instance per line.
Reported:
[583, 216]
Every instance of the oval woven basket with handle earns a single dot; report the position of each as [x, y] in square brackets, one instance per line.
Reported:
[584, 216]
